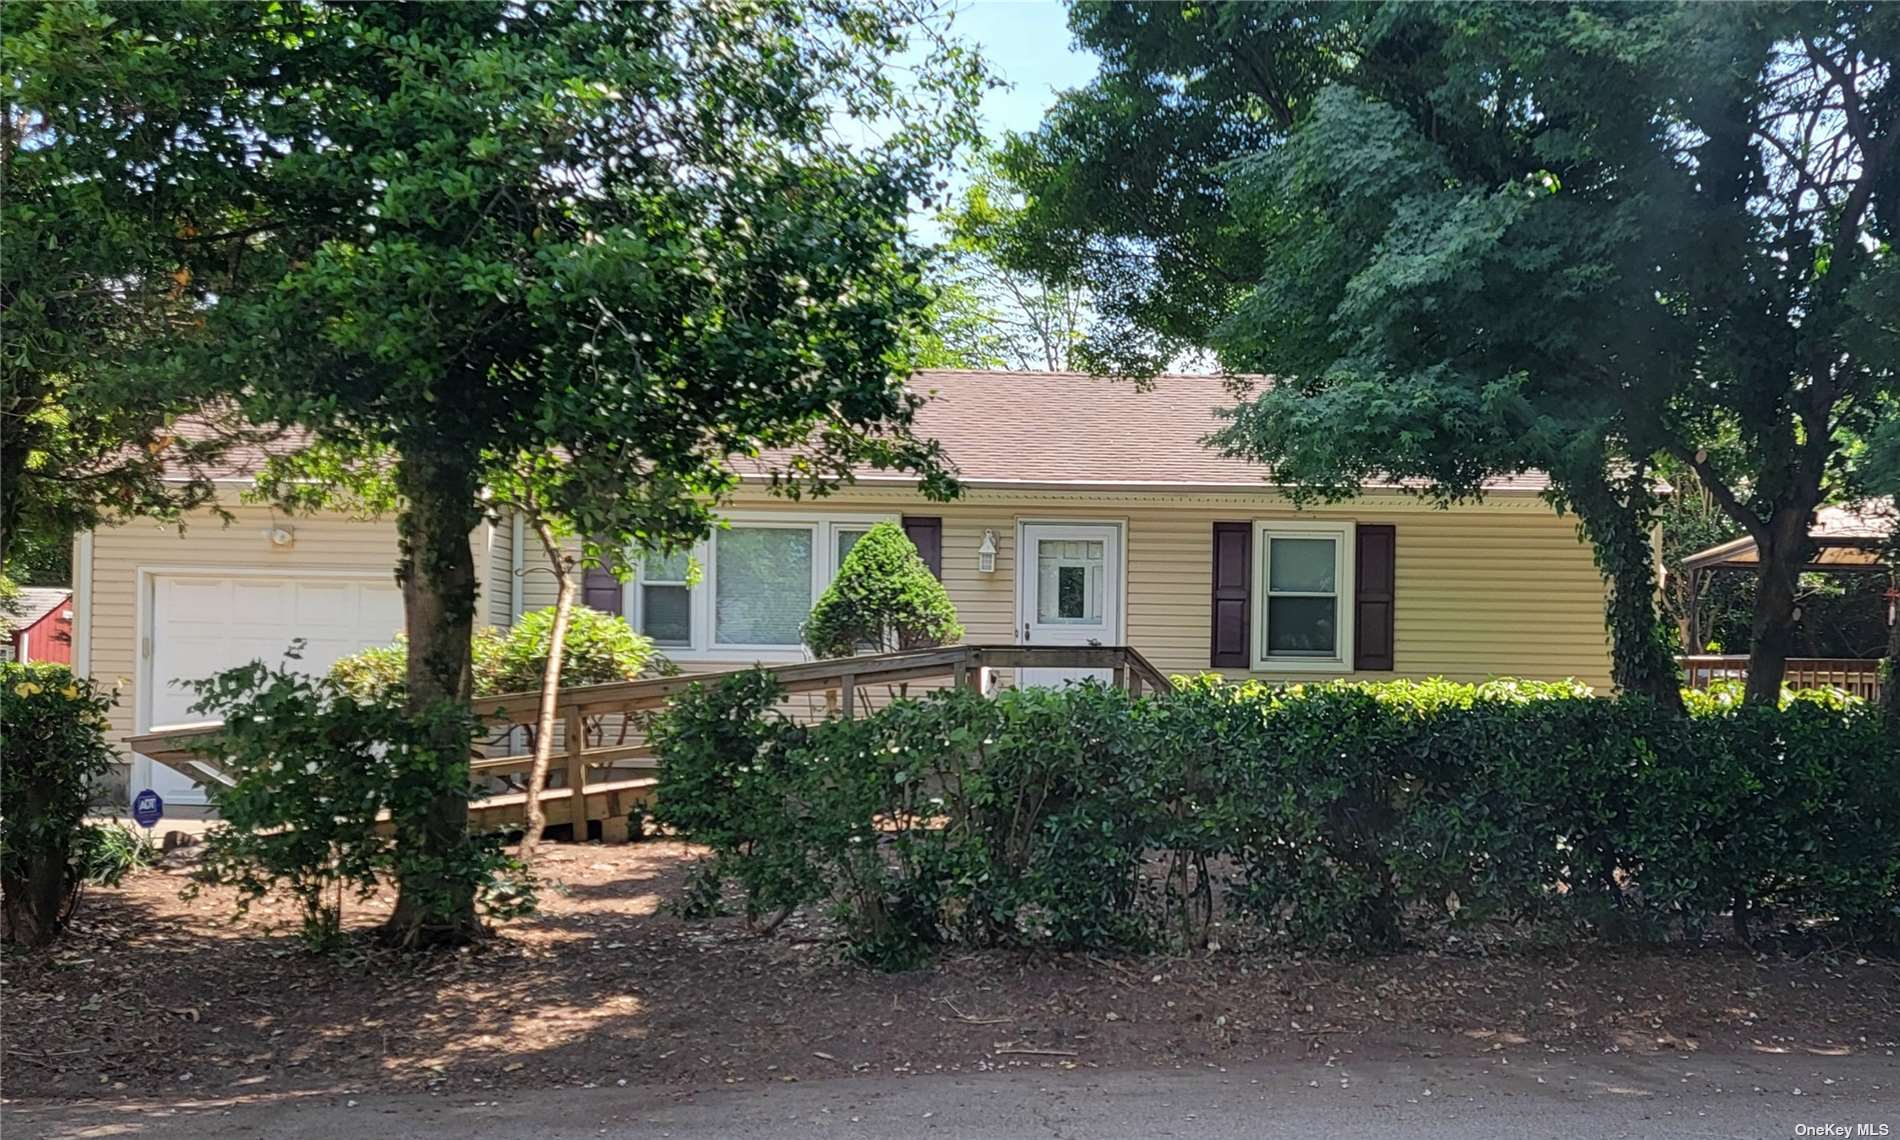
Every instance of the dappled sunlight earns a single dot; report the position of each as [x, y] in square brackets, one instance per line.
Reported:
[156, 994]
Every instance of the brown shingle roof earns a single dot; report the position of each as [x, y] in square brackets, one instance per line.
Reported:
[1040, 428]
[1074, 429]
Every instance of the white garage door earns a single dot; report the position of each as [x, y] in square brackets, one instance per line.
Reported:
[204, 624]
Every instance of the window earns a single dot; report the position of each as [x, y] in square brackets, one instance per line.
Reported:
[666, 601]
[760, 576]
[1305, 587]
[845, 538]
[762, 584]
[1070, 575]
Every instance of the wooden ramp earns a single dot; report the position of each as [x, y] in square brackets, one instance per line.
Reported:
[601, 743]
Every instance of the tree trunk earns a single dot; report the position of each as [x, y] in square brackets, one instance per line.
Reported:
[1771, 635]
[1617, 521]
[435, 902]
[537, 819]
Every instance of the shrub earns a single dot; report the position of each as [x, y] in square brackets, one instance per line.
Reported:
[109, 852]
[53, 751]
[884, 597]
[599, 648]
[313, 765]
[1334, 815]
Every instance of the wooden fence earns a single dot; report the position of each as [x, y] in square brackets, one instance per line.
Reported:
[602, 745]
[1855, 676]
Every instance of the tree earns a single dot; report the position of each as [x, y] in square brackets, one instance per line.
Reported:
[990, 313]
[625, 236]
[99, 274]
[884, 597]
[1469, 240]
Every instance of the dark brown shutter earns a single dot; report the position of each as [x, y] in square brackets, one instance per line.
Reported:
[1233, 596]
[1374, 580]
[926, 534]
[600, 590]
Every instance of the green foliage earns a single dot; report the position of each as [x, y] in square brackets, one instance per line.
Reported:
[102, 279]
[608, 252]
[1337, 815]
[988, 312]
[313, 766]
[883, 597]
[109, 852]
[599, 648]
[1338, 196]
[53, 752]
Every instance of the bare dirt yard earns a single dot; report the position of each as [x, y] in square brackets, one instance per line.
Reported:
[154, 995]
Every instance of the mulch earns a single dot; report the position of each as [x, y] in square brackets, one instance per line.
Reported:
[154, 994]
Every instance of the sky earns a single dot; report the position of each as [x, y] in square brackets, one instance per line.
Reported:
[1027, 43]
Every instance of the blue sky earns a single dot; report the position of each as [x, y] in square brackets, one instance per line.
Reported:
[1027, 43]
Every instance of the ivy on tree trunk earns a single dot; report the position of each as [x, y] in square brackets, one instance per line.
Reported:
[435, 905]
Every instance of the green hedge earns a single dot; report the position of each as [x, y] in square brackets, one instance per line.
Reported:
[1334, 815]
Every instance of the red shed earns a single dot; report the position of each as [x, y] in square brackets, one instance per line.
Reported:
[42, 629]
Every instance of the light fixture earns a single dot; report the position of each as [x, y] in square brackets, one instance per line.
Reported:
[986, 553]
[281, 536]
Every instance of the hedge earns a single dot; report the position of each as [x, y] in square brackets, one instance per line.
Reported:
[1332, 815]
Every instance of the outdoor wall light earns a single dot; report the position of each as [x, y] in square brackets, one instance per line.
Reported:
[281, 536]
[986, 553]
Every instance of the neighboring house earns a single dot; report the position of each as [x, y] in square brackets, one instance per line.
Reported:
[41, 626]
[1090, 512]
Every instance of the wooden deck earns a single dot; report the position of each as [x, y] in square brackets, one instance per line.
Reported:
[620, 772]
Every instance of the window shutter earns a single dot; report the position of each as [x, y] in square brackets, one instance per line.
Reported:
[1233, 596]
[600, 590]
[926, 534]
[1374, 581]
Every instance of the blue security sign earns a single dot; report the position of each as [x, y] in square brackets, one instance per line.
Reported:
[147, 808]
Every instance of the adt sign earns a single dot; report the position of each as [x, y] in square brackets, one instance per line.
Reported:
[147, 808]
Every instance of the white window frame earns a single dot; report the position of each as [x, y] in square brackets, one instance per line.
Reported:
[1343, 534]
[824, 530]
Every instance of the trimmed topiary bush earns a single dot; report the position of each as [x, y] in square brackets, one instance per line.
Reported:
[53, 753]
[884, 598]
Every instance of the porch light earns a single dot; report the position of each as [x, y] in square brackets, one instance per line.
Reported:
[986, 553]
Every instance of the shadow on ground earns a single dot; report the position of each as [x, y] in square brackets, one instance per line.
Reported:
[154, 995]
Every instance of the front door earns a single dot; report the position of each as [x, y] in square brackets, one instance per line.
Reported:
[1068, 592]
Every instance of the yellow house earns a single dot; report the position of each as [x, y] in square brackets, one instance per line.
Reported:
[1090, 513]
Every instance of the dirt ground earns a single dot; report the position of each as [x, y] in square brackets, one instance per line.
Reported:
[154, 995]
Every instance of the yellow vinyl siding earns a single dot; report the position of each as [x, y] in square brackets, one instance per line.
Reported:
[1499, 588]
[328, 542]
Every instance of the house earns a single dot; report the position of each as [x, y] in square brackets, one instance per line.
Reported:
[41, 626]
[1090, 512]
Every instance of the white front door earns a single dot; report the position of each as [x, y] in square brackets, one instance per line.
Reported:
[202, 624]
[1068, 591]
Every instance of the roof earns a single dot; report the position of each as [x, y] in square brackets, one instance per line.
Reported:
[34, 603]
[1847, 536]
[1052, 429]
[1074, 429]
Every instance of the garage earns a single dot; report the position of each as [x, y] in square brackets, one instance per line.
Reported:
[202, 623]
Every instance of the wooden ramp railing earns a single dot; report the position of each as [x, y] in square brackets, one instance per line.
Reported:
[602, 746]
[1852, 675]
